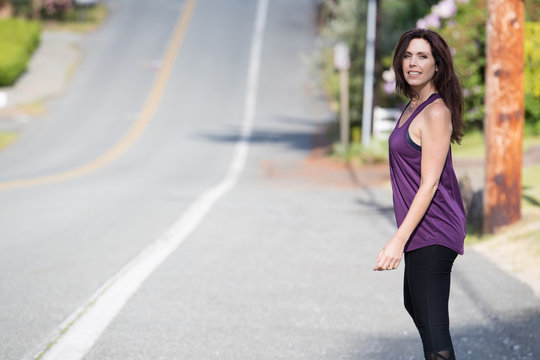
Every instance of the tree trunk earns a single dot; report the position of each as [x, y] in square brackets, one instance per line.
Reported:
[504, 119]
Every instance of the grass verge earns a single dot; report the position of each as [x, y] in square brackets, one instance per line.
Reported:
[473, 145]
[7, 138]
[35, 108]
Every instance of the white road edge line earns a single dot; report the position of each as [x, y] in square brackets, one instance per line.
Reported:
[81, 330]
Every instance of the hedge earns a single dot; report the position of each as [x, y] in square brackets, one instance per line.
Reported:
[18, 40]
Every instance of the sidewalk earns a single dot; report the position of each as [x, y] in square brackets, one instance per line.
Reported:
[47, 75]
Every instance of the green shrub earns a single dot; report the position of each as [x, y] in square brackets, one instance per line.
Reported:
[532, 78]
[466, 35]
[532, 115]
[532, 58]
[13, 60]
[18, 40]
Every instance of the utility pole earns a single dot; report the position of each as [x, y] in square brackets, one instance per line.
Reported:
[504, 104]
[371, 28]
[342, 62]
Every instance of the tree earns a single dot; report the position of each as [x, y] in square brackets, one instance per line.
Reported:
[347, 24]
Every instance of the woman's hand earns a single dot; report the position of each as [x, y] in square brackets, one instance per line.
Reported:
[390, 255]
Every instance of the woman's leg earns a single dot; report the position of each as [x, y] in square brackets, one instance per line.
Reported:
[428, 286]
[407, 301]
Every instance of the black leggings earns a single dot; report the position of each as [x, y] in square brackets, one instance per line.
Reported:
[425, 291]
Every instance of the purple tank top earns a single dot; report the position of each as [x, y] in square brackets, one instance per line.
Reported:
[444, 222]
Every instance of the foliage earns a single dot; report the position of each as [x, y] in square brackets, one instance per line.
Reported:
[18, 39]
[532, 73]
[63, 10]
[46, 9]
[13, 60]
[532, 115]
[345, 22]
[52, 7]
[466, 35]
[397, 16]
[463, 24]
[532, 58]
[532, 10]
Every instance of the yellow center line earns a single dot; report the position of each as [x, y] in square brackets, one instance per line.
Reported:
[145, 116]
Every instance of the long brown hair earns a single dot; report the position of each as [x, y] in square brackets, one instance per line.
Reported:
[445, 79]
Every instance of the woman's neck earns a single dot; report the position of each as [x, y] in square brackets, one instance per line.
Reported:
[422, 95]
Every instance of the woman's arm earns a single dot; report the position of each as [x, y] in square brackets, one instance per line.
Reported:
[435, 130]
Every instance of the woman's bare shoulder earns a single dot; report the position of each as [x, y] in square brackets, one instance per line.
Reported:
[437, 115]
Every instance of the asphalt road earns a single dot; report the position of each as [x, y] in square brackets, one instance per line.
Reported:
[280, 265]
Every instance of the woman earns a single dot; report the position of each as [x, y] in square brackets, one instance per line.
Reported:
[427, 201]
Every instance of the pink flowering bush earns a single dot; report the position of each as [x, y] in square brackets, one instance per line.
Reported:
[445, 9]
[462, 24]
[441, 12]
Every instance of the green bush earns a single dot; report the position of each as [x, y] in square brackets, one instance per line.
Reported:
[532, 58]
[466, 35]
[532, 115]
[13, 60]
[18, 40]
[532, 78]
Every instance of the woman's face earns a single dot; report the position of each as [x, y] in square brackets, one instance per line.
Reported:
[418, 63]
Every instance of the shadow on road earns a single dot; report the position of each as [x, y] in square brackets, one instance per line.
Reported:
[299, 140]
[511, 340]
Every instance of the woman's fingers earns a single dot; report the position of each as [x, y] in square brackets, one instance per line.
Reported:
[387, 259]
[382, 264]
[386, 263]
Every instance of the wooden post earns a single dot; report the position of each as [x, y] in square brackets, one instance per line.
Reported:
[504, 104]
